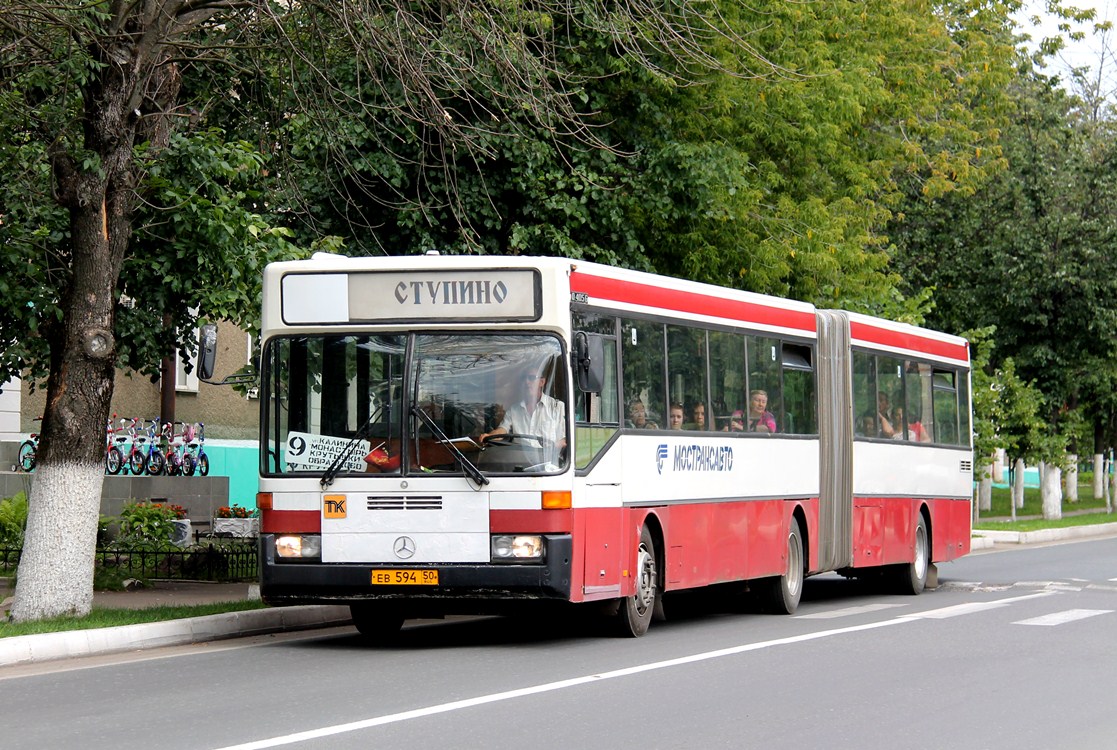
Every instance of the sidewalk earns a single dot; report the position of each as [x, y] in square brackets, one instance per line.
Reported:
[77, 643]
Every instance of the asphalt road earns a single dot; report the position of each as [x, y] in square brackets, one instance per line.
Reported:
[1015, 649]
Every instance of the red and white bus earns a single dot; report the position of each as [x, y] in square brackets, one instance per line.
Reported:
[447, 434]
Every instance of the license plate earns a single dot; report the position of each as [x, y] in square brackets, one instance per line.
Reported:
[422, 577]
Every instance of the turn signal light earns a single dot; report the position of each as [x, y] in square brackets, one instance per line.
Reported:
[263, 500]
[556, 499]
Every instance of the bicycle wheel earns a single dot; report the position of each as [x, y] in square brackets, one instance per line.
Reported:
[203, 464]
[137, 461]
[114, 460]
[174, 464]
[27, 455]
[187, 465]
[155, 463]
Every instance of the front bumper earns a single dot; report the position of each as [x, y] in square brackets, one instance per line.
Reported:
[462, 587]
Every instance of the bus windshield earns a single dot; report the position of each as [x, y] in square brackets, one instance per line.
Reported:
[415, 404]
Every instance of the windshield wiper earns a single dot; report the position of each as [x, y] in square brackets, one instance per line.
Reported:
[467, 466]
[332, 470]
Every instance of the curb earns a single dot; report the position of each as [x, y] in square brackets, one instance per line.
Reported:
[28, 649]
[1043, 535]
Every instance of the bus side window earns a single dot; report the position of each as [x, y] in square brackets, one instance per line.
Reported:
[597, 415]
[890, 394]
[764, 360]
[642, 363]
[864, 395]
[917, 404]
[945, 396]
[800, 409]
[686, 371]
[727, 382]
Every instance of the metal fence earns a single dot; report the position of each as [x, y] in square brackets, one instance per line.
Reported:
[211, 562]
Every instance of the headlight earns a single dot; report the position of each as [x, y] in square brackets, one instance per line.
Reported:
[299, 546]
[517, 548]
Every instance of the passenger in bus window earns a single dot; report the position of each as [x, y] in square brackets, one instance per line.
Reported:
[866, 426]
[698, 412]
[760, 419]
[884, 415]
[537, 414]
[638, 416]
[916, 433]
[675, 417]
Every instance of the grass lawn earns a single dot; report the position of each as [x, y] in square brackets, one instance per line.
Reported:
[108, 618]
[1087, 505]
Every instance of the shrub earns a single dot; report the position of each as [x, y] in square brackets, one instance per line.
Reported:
[147, 524]
[13, 520]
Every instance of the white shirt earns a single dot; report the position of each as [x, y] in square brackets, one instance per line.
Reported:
[547, 420]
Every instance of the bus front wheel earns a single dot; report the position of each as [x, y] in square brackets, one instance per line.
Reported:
[635, 612]
[376, 623]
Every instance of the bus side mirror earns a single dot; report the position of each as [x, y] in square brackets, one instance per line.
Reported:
[589, 362]
[207, 351]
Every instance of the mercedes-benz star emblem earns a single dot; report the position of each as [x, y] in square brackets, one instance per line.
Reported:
[404, 547]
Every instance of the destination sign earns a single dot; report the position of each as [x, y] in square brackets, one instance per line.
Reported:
[307, 452]
[445, 295]
[395, 296]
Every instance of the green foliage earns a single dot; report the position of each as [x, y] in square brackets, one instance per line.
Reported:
[775, 173]
[1026, 253]
[145, 524]
[13, 520]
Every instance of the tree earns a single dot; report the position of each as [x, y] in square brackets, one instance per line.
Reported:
[773, 172]
[95, 98]
[1027, 252]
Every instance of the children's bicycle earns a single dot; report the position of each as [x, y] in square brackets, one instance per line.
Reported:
[174, 446]
[154, 460]
[134, 460]
[195, 458]
[29, 451]
[114, 458]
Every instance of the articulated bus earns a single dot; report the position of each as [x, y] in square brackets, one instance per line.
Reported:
[469, 435]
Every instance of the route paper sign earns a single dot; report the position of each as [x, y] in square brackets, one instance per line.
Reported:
[307, 452]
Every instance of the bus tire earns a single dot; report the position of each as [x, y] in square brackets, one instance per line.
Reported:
[781, 594]
[634, 614]
[911, 578]
[376, 623]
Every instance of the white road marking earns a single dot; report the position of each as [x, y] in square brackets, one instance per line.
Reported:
[971, 607]
[314, 734]
[830, 614]
[1061, 618]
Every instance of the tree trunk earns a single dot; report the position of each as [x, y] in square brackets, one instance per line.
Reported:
[1072, 478]
[999, 466]
[1110, 484]
[985, 490]
[126, 102]
[1099, 476]
[56, 569]
[1051, 493]
[1017, 486]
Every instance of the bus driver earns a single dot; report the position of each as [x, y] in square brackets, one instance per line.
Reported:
[537, 414]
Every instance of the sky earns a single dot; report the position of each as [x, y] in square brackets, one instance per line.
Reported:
[1086, 52]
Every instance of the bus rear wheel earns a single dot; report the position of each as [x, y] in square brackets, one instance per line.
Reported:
[635, 612]
[781, 594]
[911, 578]
[376, 622]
